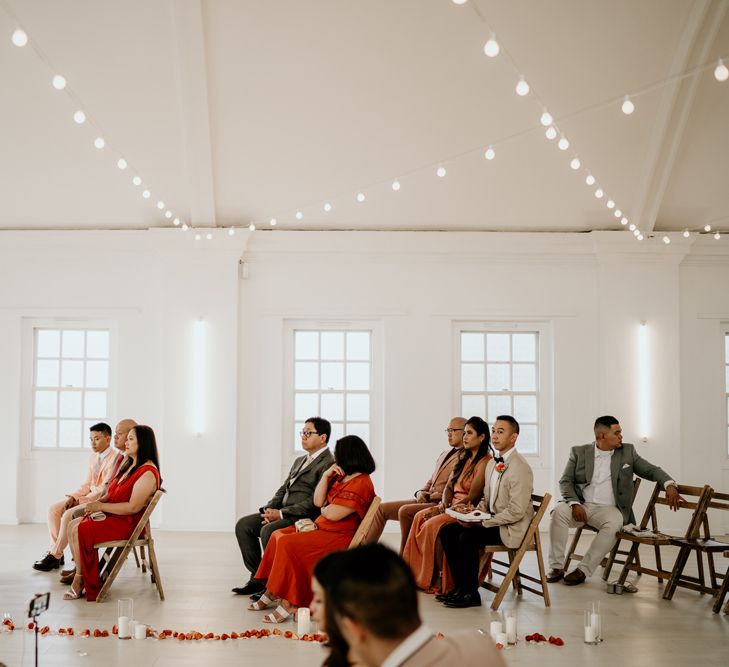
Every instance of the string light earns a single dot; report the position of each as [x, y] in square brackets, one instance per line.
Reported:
[632, 227]
[522, 87]
[610, 203]
[176, 222]
[441, 172]
[618, 213]
[299, 215]
[273, 222]
[146, 194]
[59, 82]
[546, 118]
[252, 227]
[717, 236]
[599, 193]
[575, 163]
[168, 214]
[721, 73]
[99, 142]
[636, 232]
[707, 228]
[327, 207]
[490, 153]
[628, 107]
[197, 237]
[231, 231]
[491, 48]
[360, 197]
[590, 179]
[666, 240]
[209, 236]
[459, 2]
[185, 227]
[551, 133]
[624, 221]
[79, 117]
[19, 38]
[136, 180]
[396, 185]
[640, 237]
[160, 205]
[563, 144]
[121, 163]
[686, 233]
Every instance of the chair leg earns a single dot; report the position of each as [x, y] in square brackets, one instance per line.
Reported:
[712, 570]
[659, 565]
[721, 594]
[700, 565]
[155, 570]
[143, 559]
[681, 559]
[136, 558]
[611, 560]
[542, 572]
[120, 554]
[637, 563]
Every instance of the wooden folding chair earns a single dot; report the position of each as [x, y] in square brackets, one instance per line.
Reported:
[611, 558]
[116, 552]
[657, 540]
[512, 574]
[701, 545]
[364, 527]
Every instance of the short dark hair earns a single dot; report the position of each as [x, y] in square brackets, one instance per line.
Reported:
[511, 421]
[604, 422]
[322, 426]
[373, 586]
[101, 427]
[352, 455]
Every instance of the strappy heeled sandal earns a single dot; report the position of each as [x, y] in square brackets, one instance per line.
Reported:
[278, 615]
[75, 593]
[264, 602]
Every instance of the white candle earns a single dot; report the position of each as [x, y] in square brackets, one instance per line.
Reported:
[495, 628]
[501, 638]
[304, 621]
[140, 631]
[589, 635]
[595, 623]
[123, 627]
[511, 629]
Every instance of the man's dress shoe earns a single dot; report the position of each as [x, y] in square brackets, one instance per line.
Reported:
[575, 577]
[465, 600]
[555, 575]
[48, 562]
[442, 597]
[250, 587]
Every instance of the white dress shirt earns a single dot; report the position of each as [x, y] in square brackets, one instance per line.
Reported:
[600, 489]
[412, 644]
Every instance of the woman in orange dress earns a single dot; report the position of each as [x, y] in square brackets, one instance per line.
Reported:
[344, 493]
[124, 503]
[423, 551]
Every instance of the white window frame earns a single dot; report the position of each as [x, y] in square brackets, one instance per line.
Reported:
[542, 458]
[289, 449]
[29, 325]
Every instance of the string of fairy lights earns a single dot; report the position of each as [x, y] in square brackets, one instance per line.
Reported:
[492, 48]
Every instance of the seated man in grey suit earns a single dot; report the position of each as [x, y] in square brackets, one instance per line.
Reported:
[371, 615]
[294, 500]
[596, 487]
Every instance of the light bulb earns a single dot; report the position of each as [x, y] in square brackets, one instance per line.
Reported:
[618, 213]
[717, 236]
[628, 107]
[546, 118]
[99, 142]
[146, 194]
[360, 197]
[197, 237]
[636, 232]
[231, 231]
[624, 221]
[136, 180]
[590, 179]
[176, 222]
[184, 227]
[459, 2]
[121, 163]
[209, 236]
[490, 153]
[299, 215]
[599, 193]
[327, 207]
[640, 237]
[160, 205]
[168, 214]
[252, 227]
[632, 227]
[522, 87]
[19, 38]
[396, 185]
[707, 228]
[440, 171]
[491, 48]
[79, 117]
[59, 82]
[686, 233]
[551, 133]
[575, 163]
[610, 203]
[273, 222]
[666, 240]
[563, 144]
[721, 73]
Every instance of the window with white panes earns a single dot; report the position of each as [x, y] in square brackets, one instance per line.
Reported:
[499, 375]
[333, 380]
[70, 385]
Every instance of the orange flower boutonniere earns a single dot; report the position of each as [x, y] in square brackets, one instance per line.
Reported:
[500, 467]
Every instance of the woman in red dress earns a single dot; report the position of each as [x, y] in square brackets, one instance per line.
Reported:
[344, 493]
[125, 501]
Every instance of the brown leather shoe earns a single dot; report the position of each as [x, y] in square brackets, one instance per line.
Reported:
[555, 575]
[65, 573]
[68, 578]
[575, 577]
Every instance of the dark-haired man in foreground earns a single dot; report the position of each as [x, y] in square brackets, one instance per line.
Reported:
[375, 604]
[597, 487]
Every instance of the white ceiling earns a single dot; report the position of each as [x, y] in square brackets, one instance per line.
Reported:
[234, 111]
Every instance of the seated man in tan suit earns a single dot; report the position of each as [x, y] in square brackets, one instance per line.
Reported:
[429, 496]
[371, 612]
[507, 496]
[101, 462]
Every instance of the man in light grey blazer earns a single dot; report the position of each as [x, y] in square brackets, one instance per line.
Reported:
[294, 500]
[596, 488]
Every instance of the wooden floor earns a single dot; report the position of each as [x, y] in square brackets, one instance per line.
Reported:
[198, 570]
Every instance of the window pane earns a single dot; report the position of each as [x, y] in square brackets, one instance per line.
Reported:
[307, 344]
[306, 375]
[332, 375]
[332, 407]
[525, 377]
[498, 405]
[358, 376]
[298, 428]
[97, 374]
[72, 374]
[48, 343]
[95, 404]
[525, 408]
[497, 377]
[337, 432]
[87, 428]
[473, 406]
[69, 433]
[73, 344]
[527, 442]
[97, 344]
[497, 347]
[524, 347]
[305, 406]
[44, 433]
[46, 373]
[471, 377]
[358, 407]
[332, 345]
[472, 347]
[358, 345]
[362, 430]
[45, 404]
[70, 404]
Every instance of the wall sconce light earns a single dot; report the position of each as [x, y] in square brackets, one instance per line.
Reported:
[643, 382]
[199, 343]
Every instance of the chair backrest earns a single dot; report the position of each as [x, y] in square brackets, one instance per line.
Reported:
[696, 498]
[364, 526]
[540, 505]
[144, 519]
[717, 501]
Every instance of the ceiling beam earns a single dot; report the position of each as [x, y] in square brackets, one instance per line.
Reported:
[194, 110]
[702, 26]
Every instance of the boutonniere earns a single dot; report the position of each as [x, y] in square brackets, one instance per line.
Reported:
[500, 467]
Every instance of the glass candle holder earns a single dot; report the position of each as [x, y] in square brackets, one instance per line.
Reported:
[125, 614]
[510, 623]
[589, 629]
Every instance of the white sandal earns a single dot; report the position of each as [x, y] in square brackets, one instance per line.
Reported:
[264, 602]
[278, 615]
